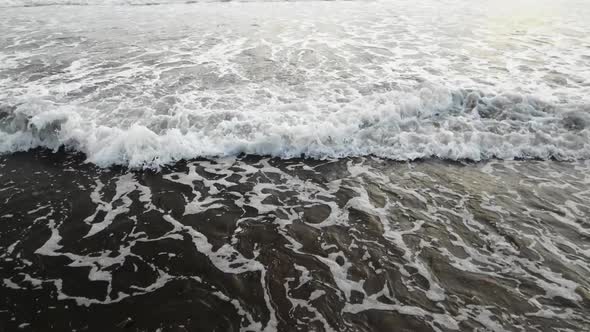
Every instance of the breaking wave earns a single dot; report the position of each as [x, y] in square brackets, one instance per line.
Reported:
[150, 86]
[427, 123]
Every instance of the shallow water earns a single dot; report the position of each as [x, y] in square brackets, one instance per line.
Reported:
[259, 244]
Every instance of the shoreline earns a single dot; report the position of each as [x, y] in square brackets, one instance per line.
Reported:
[72, 156]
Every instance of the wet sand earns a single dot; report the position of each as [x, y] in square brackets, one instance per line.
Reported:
[252, 243]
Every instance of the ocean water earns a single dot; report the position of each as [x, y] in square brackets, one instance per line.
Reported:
[145, 86]
[294, 166]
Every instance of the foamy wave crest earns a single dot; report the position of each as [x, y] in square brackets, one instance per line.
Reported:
[428, 123]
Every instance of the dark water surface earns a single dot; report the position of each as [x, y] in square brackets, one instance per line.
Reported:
[253, 244]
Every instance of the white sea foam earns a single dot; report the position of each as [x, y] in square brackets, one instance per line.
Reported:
[148, 86]
[401, 126]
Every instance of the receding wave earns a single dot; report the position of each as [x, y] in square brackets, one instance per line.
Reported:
[428, 123]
